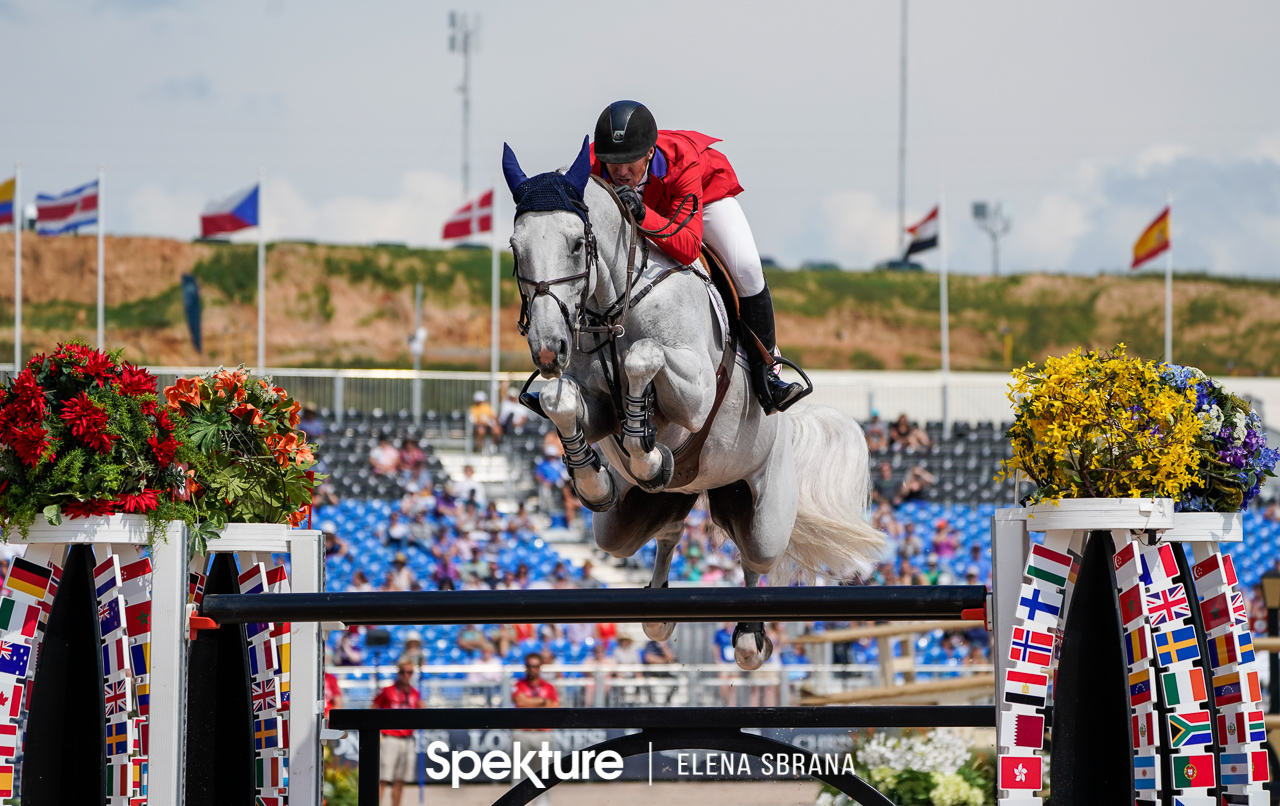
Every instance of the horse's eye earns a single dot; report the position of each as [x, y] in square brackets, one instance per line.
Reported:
[577, 247]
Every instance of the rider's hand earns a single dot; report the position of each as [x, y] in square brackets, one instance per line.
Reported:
[631, 200]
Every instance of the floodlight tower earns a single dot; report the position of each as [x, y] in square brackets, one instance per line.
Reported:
[993, 220]
[463, 30]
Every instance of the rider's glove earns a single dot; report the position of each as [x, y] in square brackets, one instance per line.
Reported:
[631, 200]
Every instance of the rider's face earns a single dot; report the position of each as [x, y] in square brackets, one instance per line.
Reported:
[630, 173]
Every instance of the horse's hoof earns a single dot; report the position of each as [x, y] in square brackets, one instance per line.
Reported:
[659, 630]
[660, 481]
[751, 645]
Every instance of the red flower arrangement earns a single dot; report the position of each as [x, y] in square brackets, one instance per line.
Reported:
[81, 435]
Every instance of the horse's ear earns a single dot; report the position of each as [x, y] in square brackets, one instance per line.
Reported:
[511, 168]
[580, 171]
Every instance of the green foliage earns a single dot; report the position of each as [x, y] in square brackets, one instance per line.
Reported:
[233, 270]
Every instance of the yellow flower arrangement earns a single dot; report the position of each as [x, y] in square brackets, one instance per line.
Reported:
[1101, 425]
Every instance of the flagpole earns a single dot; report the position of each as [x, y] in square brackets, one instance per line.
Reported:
[494, 300]
[102, 281]
[1168, 280]
[945, 313]
[17, 266]
[262, 278]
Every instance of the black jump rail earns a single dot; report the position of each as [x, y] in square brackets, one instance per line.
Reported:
[880, 603]
[660, 729]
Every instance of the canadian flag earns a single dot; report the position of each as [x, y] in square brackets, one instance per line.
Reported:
[473, 217]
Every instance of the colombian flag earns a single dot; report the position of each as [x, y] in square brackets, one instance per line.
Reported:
[1153, 241]
[6, 202]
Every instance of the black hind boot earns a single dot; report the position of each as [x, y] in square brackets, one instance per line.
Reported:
[774, 393]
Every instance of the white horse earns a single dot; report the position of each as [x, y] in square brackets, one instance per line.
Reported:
[790, 490]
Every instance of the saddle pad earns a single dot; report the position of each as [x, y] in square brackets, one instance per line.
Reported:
[722, 317]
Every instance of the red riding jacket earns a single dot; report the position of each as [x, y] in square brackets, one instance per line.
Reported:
[684, 163]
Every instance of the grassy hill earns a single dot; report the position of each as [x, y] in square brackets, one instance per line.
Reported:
[353, 306]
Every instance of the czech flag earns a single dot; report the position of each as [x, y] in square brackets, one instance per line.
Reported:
[1153, 241]
[474, 217]
[6, 201]
[236, 212]
[68, 211]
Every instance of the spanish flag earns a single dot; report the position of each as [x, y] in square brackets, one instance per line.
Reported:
[1153, 241]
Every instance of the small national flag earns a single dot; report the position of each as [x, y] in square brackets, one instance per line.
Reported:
[109, 616]
[1144, 772]
[138, 618]
[1142, 729]
[6, 201]
[67, 212]
[141, 737]
[14, 657]
[1141, 688]
[1137, 645]
[1189, 728]
[1194, 771]
[1168, 605]
[1131, 605]
[264, 696]
[18, 618]
[1227, 689]
[924, 234]
[236, 212]
[195, 588]
[28, 578]
[1208, 573]
[474, 217]
[1231, 728]
[1177, 645]
[1126, 563]
[280, 630]
[1153, 241]
[114, 657]
[118, 737]
[1022, 730]
[282, 658]
[135, 570]
[1020, 772]
[139, 774]
[265, 733]
[8, 741]
[262, 658]
[144, 698]
[254, 629]
[254, 580]
[1165, 565]
[106, 576]
[1259, 768]
[1252, 689]
[140, 654]
[1025, 688]
[1031, 646]
[1222, 650]
[1239, 611]
[11, 700]
[1048, 565]
[1039, 605]
[1216, 612]
[116, 695]
[278, 579]
[1257, 726]
[118, 778]
[1229, 569]
[1235, 769]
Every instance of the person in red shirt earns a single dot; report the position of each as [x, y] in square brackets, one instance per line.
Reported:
[683, 192]
[534, 692]
[397, 751]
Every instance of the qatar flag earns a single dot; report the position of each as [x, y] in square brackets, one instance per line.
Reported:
[473, 217]
[236, 212]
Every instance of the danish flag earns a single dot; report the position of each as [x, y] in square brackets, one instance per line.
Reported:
[473, 217]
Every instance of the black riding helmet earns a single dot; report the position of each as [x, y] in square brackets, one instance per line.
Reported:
[625, 132]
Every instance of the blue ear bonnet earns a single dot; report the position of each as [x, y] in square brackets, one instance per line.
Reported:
[550, 191]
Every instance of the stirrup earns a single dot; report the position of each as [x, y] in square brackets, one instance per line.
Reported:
[764, 394]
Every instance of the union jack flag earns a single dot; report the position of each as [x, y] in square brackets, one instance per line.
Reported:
[264, 696]
[1168, 605]
[1238, 608]
[117, 697]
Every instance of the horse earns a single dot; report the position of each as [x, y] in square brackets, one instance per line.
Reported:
[641, 363]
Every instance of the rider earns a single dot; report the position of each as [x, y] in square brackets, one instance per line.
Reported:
[682, 191]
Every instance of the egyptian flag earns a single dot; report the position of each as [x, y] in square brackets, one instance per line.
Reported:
[924, 234]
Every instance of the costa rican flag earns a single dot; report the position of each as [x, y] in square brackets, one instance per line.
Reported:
[924, 234]
[68, 211]
[236, 212]
[473, 217]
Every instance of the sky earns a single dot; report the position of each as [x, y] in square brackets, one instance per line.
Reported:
[1079, 117]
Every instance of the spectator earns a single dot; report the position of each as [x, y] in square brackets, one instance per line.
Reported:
[931, 572]
[588, 580]
[412, 653]
[884, 520]
[395, 531]
[484, 421]
[487, 669]
[360, 583]
[532, 691]
[384, 458]
[346, 653]
[325, 495]
[976, 657]
[658, 652]
[492, 521]
[626, 653]
[311, 424]
[885, 490]
[398, 753]
[945, 539]
[905, 435]
[511, 414]
[911, 546]
[520, 522]
[916, 484]
[979, 560]
[874, 430]
[468, 489]
[411, 456]
[334, 546]
[400, 577]
[472, 639]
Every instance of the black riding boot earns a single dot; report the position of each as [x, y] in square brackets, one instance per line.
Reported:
[774, 393]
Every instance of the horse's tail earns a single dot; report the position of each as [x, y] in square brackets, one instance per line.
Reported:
[832, 537]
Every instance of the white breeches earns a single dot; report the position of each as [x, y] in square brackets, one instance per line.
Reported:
[726, 231]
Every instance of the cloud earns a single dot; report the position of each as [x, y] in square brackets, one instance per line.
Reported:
[859, 227]
[415, 215]
[195, 88]
[155, 211]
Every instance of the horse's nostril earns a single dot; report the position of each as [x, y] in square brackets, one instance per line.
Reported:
[545, 357]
